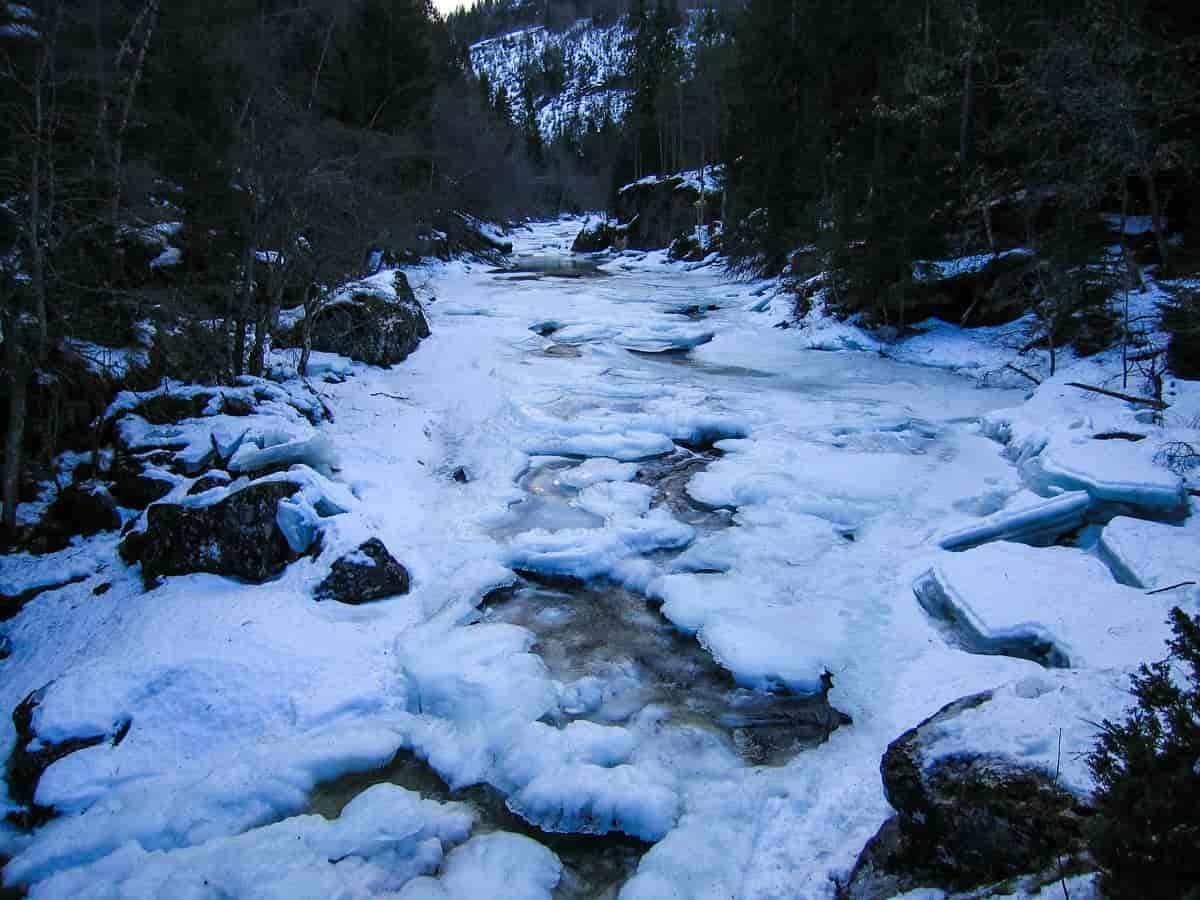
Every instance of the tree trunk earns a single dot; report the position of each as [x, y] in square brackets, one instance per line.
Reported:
[15, 433]
[968, 91]
[239, 342]
[1156, 217]
[306, 327]
[150, 12]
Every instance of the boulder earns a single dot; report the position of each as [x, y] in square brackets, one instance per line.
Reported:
[368, 327]
[237, 536]
[964, 819]
[82, 508]
[369, 573]
[214, 479]
[594, 237]
[661, 209]
[31, 756]
[136, 482]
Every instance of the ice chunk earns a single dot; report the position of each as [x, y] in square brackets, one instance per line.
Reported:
[596, 800]
[481, 673]
[584, 334]
[661, 338]
[1117, 471]
[591, 471]
[620, 445]
[1150, 554]
[383, 838]
[297, 520]
[589, 553]
[610, 499]
[1055, 603]
[491, 865]
[316, 452]
[1030, 519]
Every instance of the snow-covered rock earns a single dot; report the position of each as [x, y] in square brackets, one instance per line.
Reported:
[368, 573]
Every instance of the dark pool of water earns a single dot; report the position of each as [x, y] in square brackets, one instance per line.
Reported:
[630, 657]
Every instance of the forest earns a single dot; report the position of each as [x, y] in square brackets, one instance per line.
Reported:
[274, 146]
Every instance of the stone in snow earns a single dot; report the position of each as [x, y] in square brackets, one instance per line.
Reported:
[369, 573]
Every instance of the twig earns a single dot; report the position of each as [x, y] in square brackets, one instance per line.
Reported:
[325, 409]
[1146, 401]
[1020, 371]
[400, 397]
[1171, 588]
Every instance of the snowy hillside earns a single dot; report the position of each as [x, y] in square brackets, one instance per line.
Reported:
[593, 64]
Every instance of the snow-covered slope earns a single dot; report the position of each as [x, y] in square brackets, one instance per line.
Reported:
[593, 63]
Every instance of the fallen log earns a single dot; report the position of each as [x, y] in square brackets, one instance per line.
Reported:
[1145, 401]
[1019, 371]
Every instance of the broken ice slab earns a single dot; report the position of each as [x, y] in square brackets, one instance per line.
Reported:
[1055, 605]
[1033, 520]
[1152, 555]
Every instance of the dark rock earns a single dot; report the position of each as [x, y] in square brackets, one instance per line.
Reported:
[237, 536]
[167, 409]
[101, 589]
[368, 328]
[236, 406]
[994, 294]
[5, 647]
[467, 234]
[31, 757]
[460, 475]
[134, 484]
[659, 211]
[687, 249]
[963, 820]
[83, 508]
[11, 604]
[208, 481]
[369, 573]
[593, 239]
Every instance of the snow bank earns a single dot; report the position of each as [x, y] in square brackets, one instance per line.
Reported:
[383, 838]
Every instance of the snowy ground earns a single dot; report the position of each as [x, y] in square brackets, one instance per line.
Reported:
[844, 473]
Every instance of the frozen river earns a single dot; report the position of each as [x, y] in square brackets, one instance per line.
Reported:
[684, 690]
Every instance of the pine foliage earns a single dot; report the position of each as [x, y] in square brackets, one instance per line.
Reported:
[1148, 771]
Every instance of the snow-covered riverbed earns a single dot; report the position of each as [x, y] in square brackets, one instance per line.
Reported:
[835, 478]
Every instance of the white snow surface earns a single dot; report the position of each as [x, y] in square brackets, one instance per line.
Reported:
[841, 472]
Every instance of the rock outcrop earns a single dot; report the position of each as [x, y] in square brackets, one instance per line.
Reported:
[238, 535]
[369, 573]
[659, 210]
[368, 327]
[963, 820]
[596, 236]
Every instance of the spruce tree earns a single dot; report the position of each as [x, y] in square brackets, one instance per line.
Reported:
[1147, 769]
